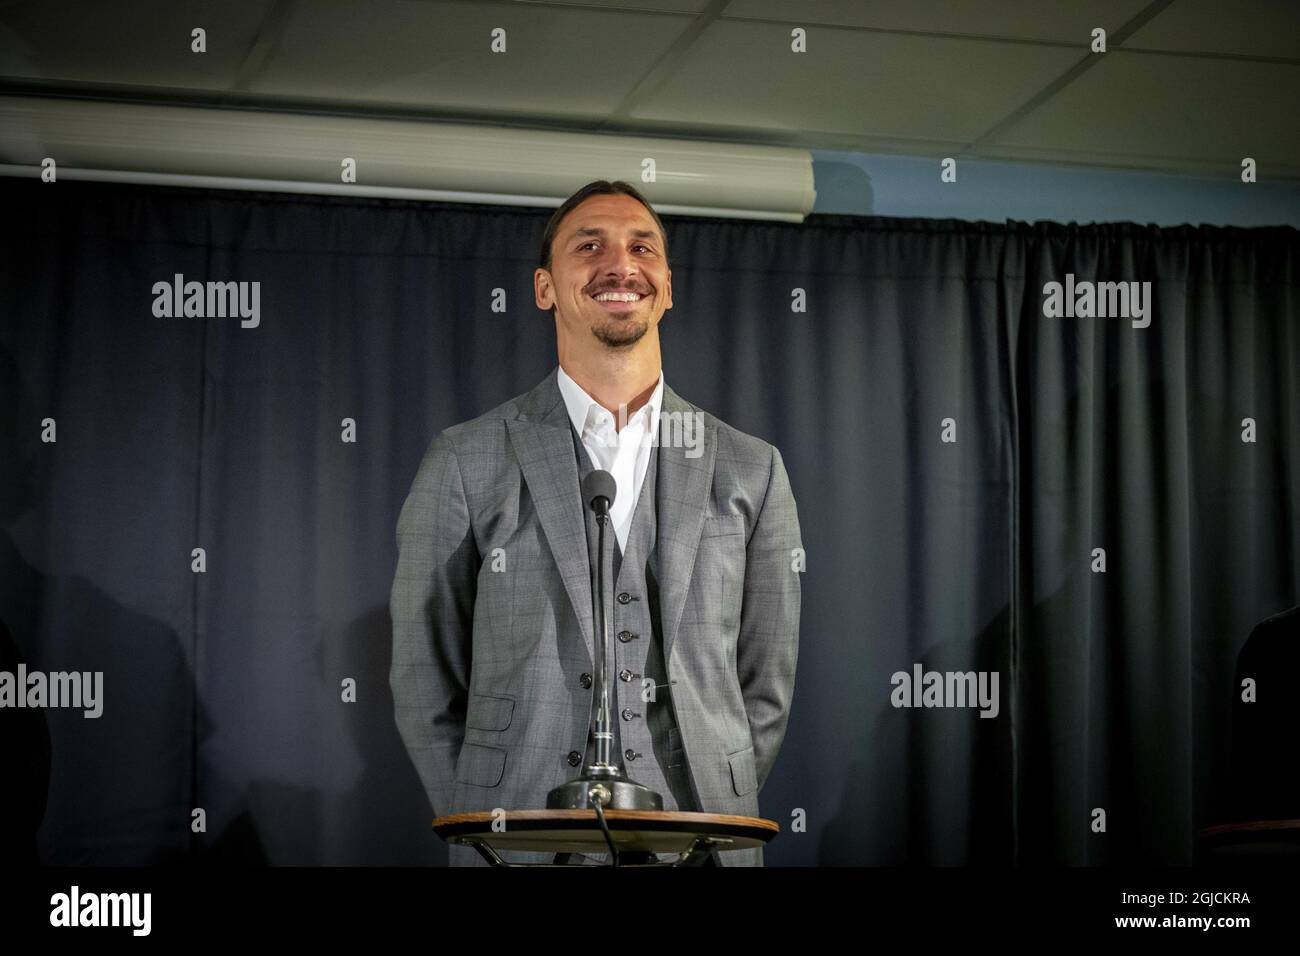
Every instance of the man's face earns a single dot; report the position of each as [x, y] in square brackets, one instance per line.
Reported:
[606, 246]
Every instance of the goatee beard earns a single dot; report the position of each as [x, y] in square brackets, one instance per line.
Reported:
[622, 334]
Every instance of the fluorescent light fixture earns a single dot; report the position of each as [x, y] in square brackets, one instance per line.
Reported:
[406, 159]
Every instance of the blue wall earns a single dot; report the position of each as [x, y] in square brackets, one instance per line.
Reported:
[876, 185]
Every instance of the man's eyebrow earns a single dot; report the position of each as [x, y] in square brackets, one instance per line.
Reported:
[597, 231]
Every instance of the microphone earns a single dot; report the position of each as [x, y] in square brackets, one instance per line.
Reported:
[598, 490]
[603, 783]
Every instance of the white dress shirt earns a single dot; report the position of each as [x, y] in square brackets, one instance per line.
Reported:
[624, 453]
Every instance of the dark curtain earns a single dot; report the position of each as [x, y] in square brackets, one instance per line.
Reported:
[847, 342]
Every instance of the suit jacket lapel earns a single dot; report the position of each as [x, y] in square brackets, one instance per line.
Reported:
[684, 484]
[543, 443]
[541, 435]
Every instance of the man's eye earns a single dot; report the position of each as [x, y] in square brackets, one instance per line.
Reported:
[592, 242]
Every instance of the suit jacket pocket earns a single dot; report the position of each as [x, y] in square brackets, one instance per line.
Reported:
[743, 776]
[718, 525]
[480, 765]
[488, 713]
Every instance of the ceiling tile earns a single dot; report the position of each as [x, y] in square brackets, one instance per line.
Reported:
[1017, 19]
[743, 75]
[1243, 28]
[1173, 112]
[129, 43]
[558, 61]
[634, 6]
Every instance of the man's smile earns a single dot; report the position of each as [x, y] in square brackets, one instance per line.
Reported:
[620, 301]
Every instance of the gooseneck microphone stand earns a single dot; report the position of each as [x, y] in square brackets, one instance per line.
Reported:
[603, 783]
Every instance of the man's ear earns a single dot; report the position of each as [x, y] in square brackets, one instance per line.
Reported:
[543, 291]
[669, 289]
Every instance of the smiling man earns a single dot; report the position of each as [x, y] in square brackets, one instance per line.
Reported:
[494, 640]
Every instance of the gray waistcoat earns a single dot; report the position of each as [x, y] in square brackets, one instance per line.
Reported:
[647, 729]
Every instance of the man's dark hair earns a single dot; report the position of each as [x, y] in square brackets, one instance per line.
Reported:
[601, 187]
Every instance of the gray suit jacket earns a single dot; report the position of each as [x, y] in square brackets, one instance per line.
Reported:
[492, 609]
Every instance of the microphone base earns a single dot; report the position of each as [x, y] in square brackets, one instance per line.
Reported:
[609, 788]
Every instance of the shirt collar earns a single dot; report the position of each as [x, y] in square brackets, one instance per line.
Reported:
[584, 409]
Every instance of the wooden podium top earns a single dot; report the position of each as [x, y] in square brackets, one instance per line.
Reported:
[1257, 841]
[1251, 828]
[578, 831]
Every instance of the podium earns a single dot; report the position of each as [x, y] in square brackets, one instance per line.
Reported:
[1257, 842]
[639, 835]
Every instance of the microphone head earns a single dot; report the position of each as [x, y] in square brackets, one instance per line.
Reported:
[598, 484]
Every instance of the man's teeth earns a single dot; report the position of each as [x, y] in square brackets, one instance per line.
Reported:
[618, 296]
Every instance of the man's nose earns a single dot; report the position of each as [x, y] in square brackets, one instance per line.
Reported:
[621, 263]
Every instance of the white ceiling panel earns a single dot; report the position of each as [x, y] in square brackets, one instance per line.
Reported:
[558, 61]
[1058, 22]
[744, 75]
[636, 6]
[129, 43]
[1266, 28]
[1169, 111]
